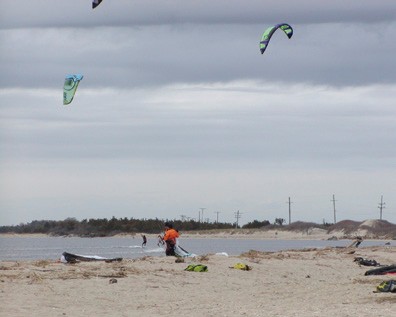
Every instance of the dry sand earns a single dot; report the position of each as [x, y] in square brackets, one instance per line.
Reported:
[316, 282]
[309, 234]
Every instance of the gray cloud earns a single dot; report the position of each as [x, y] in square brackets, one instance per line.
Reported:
[222, 123]
[18, 13]
[178, 109]
[124, 57]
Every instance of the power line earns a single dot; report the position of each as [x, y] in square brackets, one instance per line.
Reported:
[202, 210]
[237, 216]
[334, 208]
[289, 202]
[217, 216]
[381, 206]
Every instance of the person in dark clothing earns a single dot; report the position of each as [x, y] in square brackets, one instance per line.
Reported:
[144, 240]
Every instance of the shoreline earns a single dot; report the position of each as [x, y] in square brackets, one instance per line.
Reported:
[237, 234]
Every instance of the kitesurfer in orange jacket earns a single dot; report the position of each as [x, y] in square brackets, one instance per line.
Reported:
[170, 239]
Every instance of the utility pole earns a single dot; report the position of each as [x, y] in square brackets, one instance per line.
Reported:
[217, 216]
[202, 210]
[381, 206]
[333, 200]
[237, 216]
[289, 202]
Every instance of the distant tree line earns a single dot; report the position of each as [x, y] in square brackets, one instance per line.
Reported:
[105, 227]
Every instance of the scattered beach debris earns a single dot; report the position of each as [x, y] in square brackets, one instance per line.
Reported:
[203, 258]
[222, 253]
[386, 286]
[196, 268]
[366, 262]
[241, 266]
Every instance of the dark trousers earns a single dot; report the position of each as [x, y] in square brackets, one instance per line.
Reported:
[170, 248]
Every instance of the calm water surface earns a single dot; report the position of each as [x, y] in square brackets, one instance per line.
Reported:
[40, 248]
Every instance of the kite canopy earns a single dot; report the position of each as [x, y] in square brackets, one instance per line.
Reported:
[268, 34]
[95, 3]
[70, 87]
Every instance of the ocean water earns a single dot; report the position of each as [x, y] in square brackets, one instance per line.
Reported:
[51, 248]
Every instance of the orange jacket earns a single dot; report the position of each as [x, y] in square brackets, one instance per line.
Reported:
[171, 235]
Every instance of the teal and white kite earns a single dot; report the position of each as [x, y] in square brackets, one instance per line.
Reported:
[70, 87]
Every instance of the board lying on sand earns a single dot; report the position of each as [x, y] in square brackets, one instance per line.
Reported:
[73, 258]
[387, 269]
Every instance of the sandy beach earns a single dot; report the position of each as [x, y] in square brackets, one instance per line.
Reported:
[314, 282]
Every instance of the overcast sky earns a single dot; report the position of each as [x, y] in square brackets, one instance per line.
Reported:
[178, 110]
